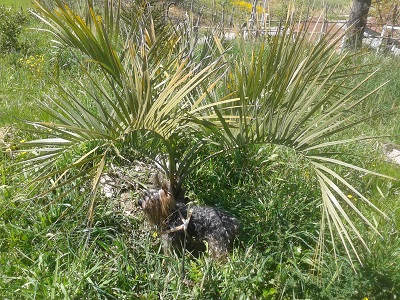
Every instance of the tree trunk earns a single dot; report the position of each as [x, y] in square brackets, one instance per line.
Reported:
[357, 22]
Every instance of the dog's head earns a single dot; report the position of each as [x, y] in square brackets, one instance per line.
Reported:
[157, 204]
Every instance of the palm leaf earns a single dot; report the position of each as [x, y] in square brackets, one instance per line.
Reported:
[300, 96]
[145, 96]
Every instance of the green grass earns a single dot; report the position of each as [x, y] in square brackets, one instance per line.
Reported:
[46, 257]
[20, 88]
[17, 4]
[46, 251]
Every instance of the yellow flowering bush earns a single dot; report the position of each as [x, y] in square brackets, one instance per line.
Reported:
[245, 6]
[34, 63]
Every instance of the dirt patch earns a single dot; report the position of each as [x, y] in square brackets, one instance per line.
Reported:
[392, 152]
[5, 134]
[124, 184]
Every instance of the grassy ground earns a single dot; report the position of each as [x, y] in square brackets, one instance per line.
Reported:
[17, 4]
[46, 251]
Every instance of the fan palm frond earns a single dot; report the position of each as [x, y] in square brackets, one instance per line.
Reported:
[302, 96]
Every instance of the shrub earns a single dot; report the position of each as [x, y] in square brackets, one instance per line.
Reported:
[11, 24]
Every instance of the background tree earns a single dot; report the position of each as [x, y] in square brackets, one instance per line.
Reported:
[386, 11]
[357, 23]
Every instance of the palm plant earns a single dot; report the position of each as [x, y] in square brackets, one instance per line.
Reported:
[155, 89]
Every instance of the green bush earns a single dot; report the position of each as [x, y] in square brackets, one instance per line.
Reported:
[11, 24]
